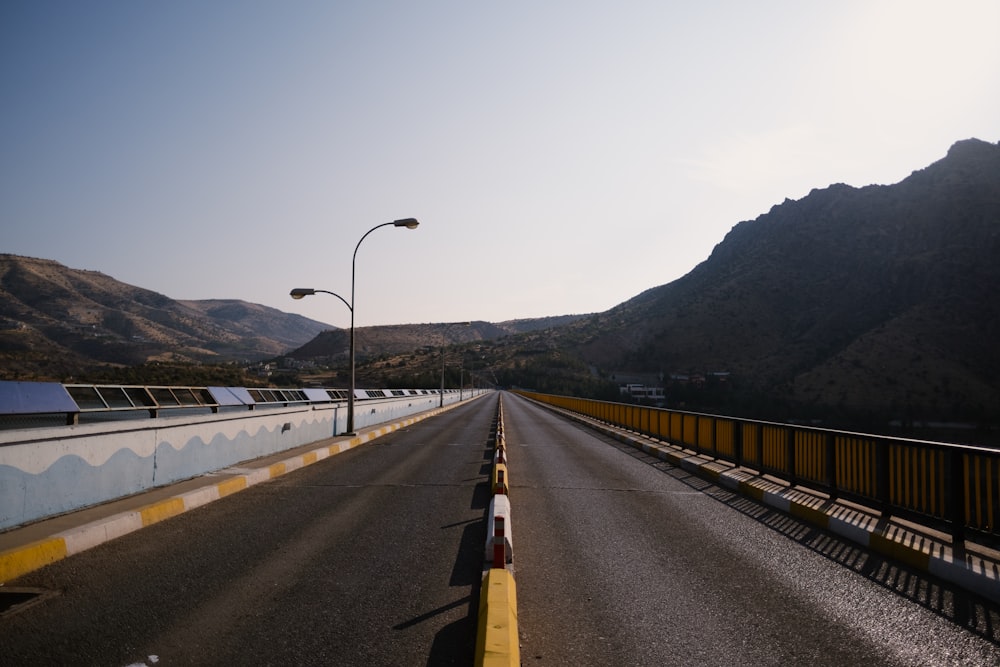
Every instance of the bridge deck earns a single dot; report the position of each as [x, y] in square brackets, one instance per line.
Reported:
[977, 568]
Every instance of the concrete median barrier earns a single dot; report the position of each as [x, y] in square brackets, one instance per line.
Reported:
[496, 639]
[499, 508]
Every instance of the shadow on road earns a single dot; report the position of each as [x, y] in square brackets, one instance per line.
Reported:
[971, 612]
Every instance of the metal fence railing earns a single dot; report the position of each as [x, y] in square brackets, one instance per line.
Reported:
[27, 404]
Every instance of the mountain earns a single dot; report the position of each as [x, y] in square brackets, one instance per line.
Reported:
[880, 298]
[404, 338]
[55, 321]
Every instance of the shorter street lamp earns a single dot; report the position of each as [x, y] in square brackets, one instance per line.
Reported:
[300, 292]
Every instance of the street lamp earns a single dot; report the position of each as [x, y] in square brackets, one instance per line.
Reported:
[300, 292]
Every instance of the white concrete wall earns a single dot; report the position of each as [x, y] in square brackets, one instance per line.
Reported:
[50, 471]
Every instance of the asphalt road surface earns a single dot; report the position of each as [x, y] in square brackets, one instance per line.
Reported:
[374, 556]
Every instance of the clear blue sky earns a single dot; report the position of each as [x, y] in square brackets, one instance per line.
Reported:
[561, 156]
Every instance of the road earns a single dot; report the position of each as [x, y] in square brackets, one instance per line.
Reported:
[373, 557]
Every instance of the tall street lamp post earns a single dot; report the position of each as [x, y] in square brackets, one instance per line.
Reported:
[441, 396]
[298, 293]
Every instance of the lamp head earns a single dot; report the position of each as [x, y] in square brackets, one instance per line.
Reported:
[300, 292]
[409, 223]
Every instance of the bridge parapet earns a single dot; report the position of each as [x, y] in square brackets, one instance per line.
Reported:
[88, 444]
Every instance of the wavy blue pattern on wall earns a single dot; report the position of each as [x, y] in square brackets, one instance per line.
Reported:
[71, 483]
[196, 457]
[68, 484]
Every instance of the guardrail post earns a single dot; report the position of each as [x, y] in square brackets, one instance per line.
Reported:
[738, 442]
[697, 434]
[759, 436]
[956, 513]
[830, 444]
[882, 491]
[790, 454]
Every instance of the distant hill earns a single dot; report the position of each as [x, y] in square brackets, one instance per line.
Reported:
[403, 338]
[56, 320]
[883, 298]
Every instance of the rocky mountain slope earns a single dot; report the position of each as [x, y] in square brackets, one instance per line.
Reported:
[879, 298]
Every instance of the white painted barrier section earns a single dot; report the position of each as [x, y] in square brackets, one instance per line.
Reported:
[499, 506]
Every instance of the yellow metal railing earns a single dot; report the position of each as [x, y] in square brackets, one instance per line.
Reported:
[953, 485]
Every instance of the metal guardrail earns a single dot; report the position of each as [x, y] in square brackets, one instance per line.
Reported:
[954, 488]
[27, 403]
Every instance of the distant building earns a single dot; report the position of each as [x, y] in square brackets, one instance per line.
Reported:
[641, 392]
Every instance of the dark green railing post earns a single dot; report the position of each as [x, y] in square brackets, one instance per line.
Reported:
[956, 513]
[738, 442]
[697, 434]
[882, 492]
[759, 429]
[830, 443]
[790, 455]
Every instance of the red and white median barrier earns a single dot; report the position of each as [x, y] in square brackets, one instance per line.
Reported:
[499, 535]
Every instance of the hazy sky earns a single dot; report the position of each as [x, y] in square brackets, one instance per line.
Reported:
[561, 157]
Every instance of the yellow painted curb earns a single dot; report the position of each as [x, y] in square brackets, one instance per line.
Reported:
[231, 486]
[894, 549]
[162, 510]
[748, 488]
[496, 640]
[25, 559]
[814, 515]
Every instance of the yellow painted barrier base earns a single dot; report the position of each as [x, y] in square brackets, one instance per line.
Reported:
[496, 641]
